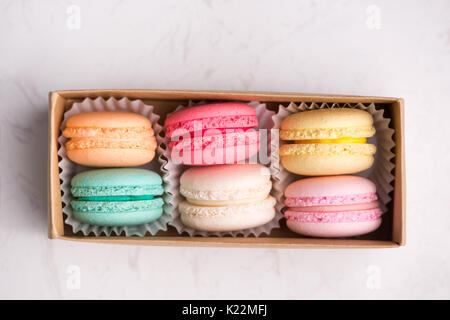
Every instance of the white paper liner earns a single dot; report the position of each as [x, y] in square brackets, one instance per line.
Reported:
[381, 171]
[172, 173]
[68, 168]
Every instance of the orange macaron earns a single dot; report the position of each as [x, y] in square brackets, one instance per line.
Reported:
[110, 139]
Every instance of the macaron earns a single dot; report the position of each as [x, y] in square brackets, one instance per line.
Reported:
[227, 197]
[335, 206]
[110, 139]
[220, 133]
[117, 197]
[327, 141]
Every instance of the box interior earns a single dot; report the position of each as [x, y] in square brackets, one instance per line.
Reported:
[390, 234]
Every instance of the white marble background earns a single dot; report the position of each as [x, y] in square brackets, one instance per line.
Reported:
[387, 48]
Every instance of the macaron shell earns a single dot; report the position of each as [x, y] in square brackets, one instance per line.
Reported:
[108, 119]
[333, 230]
[118, 218]
[218, 186]
[326, 165]
[227, 218]
[210, 111]
[331, 186]
[327, 118]
[116, 177]
[111, 157]
[224, 177]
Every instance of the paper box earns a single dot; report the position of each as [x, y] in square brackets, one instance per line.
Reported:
[394, 226]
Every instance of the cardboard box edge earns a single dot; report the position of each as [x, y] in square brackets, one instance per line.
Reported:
[231, 243]
[55, 229]
[204, 94]
[402, 241]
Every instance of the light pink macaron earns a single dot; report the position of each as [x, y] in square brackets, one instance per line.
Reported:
[336, 206]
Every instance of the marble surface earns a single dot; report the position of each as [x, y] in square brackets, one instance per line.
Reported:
[386, 48]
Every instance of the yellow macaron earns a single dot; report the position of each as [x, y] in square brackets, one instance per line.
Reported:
[327, 141]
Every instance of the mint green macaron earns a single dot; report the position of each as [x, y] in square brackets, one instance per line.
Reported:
[117, 197]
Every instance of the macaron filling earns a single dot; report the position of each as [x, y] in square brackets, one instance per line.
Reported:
[340, 140]
[327, 133]
[331, 208]
[117, 198]
[327, 149]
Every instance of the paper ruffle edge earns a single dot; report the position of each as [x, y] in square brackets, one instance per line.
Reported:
[381, 171]
[68, 168]
[172, 173]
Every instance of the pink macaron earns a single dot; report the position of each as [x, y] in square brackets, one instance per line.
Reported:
[335, 206]
[220, 133]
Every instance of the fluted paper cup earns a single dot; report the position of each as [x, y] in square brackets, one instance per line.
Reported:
[380, 172]
[68, 169]
[173, 171]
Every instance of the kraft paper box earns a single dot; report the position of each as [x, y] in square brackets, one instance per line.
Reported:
[393, 230]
